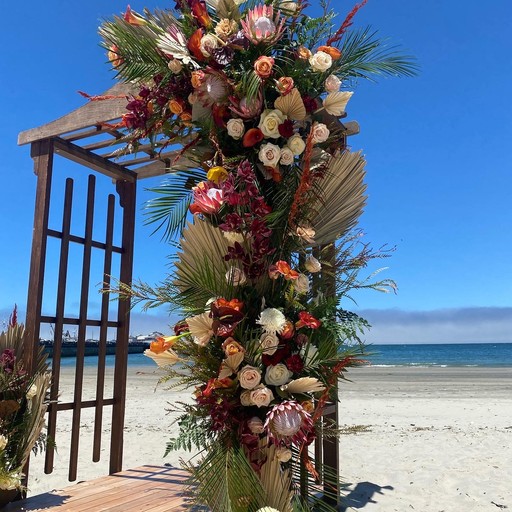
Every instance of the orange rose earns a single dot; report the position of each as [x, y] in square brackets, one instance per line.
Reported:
[263, 66]
[330, 50]
[197, 79]
[186, 116]
[176, 106]
[288, 331]
[308, 406]
[303, 53]
[231, 346]
[284, 85]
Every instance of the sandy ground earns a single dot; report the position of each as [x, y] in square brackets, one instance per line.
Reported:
[429, 439]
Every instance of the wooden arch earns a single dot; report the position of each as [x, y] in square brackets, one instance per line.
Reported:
[91, 136]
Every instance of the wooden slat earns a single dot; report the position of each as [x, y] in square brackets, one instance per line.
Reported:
[82, 329]
[144, 489]
[90, 114]
[59, 325]
[92, 161]
[76, 321]
[69, 406]
[102, 349]
[80, 240]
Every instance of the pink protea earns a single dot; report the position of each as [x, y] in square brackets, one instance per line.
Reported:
[207, 199]
[213, 88]
[288, 422]
[261, 26]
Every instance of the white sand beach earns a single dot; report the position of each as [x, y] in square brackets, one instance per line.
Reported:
[430, 439]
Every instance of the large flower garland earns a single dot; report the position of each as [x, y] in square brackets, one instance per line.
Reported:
[253, 94]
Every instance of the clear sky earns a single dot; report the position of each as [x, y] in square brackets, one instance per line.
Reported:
[438, 150]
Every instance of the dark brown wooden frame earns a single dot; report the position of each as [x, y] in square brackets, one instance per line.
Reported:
[88, 136]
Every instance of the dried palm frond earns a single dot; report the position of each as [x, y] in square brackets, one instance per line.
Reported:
[340, 197]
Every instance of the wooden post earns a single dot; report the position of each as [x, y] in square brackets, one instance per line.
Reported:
[127, 193]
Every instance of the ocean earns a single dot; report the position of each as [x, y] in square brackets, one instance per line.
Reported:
[421, 355]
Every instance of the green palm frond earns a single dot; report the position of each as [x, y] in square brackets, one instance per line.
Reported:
[225, 481]
[365, 55]
[170, 208]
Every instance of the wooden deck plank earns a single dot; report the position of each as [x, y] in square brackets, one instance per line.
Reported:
[148, 488]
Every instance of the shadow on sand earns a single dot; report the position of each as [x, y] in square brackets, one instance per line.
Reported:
[361, 495]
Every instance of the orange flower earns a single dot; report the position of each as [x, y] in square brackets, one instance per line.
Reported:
[307, 320]
[303, 53]
[162, 343]
[252, 137]
[176, 106]
[330, 50]
[308, 406]
[186, 116]
[113, 56]
[263, 66]
[288, 330]
[213, 384]
[197, 79]
[285, 270]
[133, 18]
[200, 13]
[194, 44]
[235, 304]
[231, 346]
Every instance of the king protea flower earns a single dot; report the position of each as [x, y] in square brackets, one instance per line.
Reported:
[288, 422]
[207, 199]
[261, 26]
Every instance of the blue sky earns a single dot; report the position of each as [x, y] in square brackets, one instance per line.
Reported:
[437, 146]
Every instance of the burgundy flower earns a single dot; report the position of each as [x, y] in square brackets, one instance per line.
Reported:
[277, 357]
[310, 104]
[286, 129]
[294, 363]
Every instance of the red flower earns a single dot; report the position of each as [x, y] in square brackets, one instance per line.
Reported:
[194, 44]
[252, 137]
[277, 357]
[285, 270]
[307, 320]
[200, 13]
[294, 363]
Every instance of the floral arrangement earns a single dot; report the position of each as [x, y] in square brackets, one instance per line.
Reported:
[263, 193]
[22, 407]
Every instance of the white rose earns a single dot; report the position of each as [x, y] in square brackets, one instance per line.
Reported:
[3, 442]
[320, 61]
[283, 454]
[256, 425]
[31, 392]
[175, 66]
[269, 154]
[296, 144]
[208, 44]
[245, 398]
[249, 377]
[301, 284]
[269, 343]
[270, 121]
[233, 236]
[312, 264]
[287, 156]
[236, 276]
[332, 83]
[261, 396]
[320, 133]
[236, 128]
[277, 375]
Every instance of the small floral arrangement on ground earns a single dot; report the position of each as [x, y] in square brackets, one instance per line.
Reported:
[253, 94]
[22, 406]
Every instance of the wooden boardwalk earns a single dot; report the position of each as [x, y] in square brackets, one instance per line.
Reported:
[144, 489]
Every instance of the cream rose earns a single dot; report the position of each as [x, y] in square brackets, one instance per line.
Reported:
[301, 284]
[261, 396]
[269, 154]
[245, 398]
[256, 425]
[270, 121]
[236, 128]
[225, 28]
[332, 83]
[296, 144]
[320, 61]
[320, 133]
[277, 375]
[175, 66]
[283, 454]
[249, 377]
[208, 43]
[236, 276]
[287, 156]
[3, 442]
[269, 343]
[312, 264]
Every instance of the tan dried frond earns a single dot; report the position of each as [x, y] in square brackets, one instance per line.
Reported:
[340, 197]
[305, 385]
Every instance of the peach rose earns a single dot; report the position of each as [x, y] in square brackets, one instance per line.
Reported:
[284, 85]
[231, 346]
[263, 66]
[261, 396]
[249, 377]
[176, 106]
